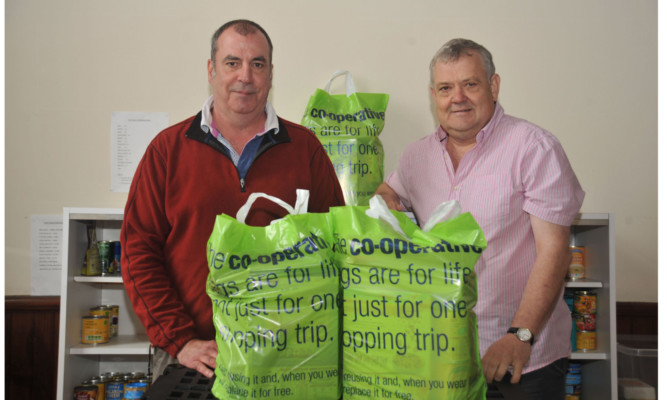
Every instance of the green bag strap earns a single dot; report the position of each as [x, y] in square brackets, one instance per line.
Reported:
[300, 206]
[349, 83]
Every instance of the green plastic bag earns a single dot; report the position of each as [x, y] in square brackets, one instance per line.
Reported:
[275, 294]
[348, 126]
[409, 331]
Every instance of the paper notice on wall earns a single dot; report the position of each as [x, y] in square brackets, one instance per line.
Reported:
[46, 233]
[130, 134]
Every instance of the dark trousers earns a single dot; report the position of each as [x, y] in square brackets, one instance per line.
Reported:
[547, 383]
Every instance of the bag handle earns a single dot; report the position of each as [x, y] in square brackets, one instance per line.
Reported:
[349, 83]
[300, 206]
[443, 212]
[377, 208]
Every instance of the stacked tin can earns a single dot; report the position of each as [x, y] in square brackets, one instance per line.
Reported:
[569, 300]
[573, 381]
[585, 312]
[100, 325]
[114, 386]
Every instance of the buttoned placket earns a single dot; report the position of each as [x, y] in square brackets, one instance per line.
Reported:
[458, 176]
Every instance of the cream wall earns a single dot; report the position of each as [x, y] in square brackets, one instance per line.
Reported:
[584, 69]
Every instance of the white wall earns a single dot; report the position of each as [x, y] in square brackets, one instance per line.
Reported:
[584, 69]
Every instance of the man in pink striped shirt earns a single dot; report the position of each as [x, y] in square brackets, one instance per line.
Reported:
[516, 180]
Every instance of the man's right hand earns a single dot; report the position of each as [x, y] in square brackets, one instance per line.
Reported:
[199, 355]
[389, 196]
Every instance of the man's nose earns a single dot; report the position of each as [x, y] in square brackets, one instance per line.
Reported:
[245, 74]
[458, 95]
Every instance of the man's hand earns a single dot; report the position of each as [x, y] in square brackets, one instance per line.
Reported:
[389, 196]
[508, 350]
[199, 355]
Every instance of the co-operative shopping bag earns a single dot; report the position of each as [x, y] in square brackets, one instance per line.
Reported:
[409, 331]
[348, 126]
[274, 291]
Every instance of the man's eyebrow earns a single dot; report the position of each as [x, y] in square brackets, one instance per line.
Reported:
[236, 58]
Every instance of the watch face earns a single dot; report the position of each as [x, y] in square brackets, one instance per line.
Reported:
[524, 334]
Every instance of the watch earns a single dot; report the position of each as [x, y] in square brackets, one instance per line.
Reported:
[523, 334]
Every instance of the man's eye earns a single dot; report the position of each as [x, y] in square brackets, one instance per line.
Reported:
[258, 65]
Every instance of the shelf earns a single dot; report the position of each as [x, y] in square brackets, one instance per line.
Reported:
[583, 283]
[98, 279]
[588, 355]
[119, 345]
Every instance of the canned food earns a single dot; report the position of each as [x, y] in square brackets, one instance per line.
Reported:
[576, 270]
[146, 380]
[103, 393]
[585, 322]
[585, 302]
[134, 390]
[115, 388]
[116, 257]
[94, 329]
[106, 312]
[114, 318]
[137, 376]
[587, 340]
[577, 255]
[106, 256]
[85, 392]
[99, 382]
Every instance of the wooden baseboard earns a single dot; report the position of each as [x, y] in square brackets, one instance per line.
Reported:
[31, 346]
[636, 318]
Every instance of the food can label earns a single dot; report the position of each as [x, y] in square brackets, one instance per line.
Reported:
[587, 341]
[106, 256]
[577, 255]
[94, 329]
[134, 390]
[114, 318]
[576, 272]
[585, 302]
[585, 322]
[85, 393]
[115, 390]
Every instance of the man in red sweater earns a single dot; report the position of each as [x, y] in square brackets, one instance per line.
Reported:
[202, 167]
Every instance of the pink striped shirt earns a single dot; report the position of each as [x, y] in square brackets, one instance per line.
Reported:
[515, 169]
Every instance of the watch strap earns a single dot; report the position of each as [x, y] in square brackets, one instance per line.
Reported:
[515, 331]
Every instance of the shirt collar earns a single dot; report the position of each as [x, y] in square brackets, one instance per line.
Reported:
[271, 124]
[485, 132]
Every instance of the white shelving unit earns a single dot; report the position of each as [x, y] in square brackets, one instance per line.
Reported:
[596, 233]
[127, 352]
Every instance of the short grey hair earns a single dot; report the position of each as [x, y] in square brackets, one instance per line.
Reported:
[455, 48]
[243, 27]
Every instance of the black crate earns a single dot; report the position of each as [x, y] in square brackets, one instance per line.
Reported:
[180, 383]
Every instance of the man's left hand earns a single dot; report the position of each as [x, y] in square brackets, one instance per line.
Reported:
[507, 351]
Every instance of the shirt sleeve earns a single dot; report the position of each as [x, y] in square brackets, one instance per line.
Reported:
[551, 189]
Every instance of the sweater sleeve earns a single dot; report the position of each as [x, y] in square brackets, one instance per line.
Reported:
[144, 233]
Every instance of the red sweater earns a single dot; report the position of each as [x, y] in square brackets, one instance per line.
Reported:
[184, 180]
